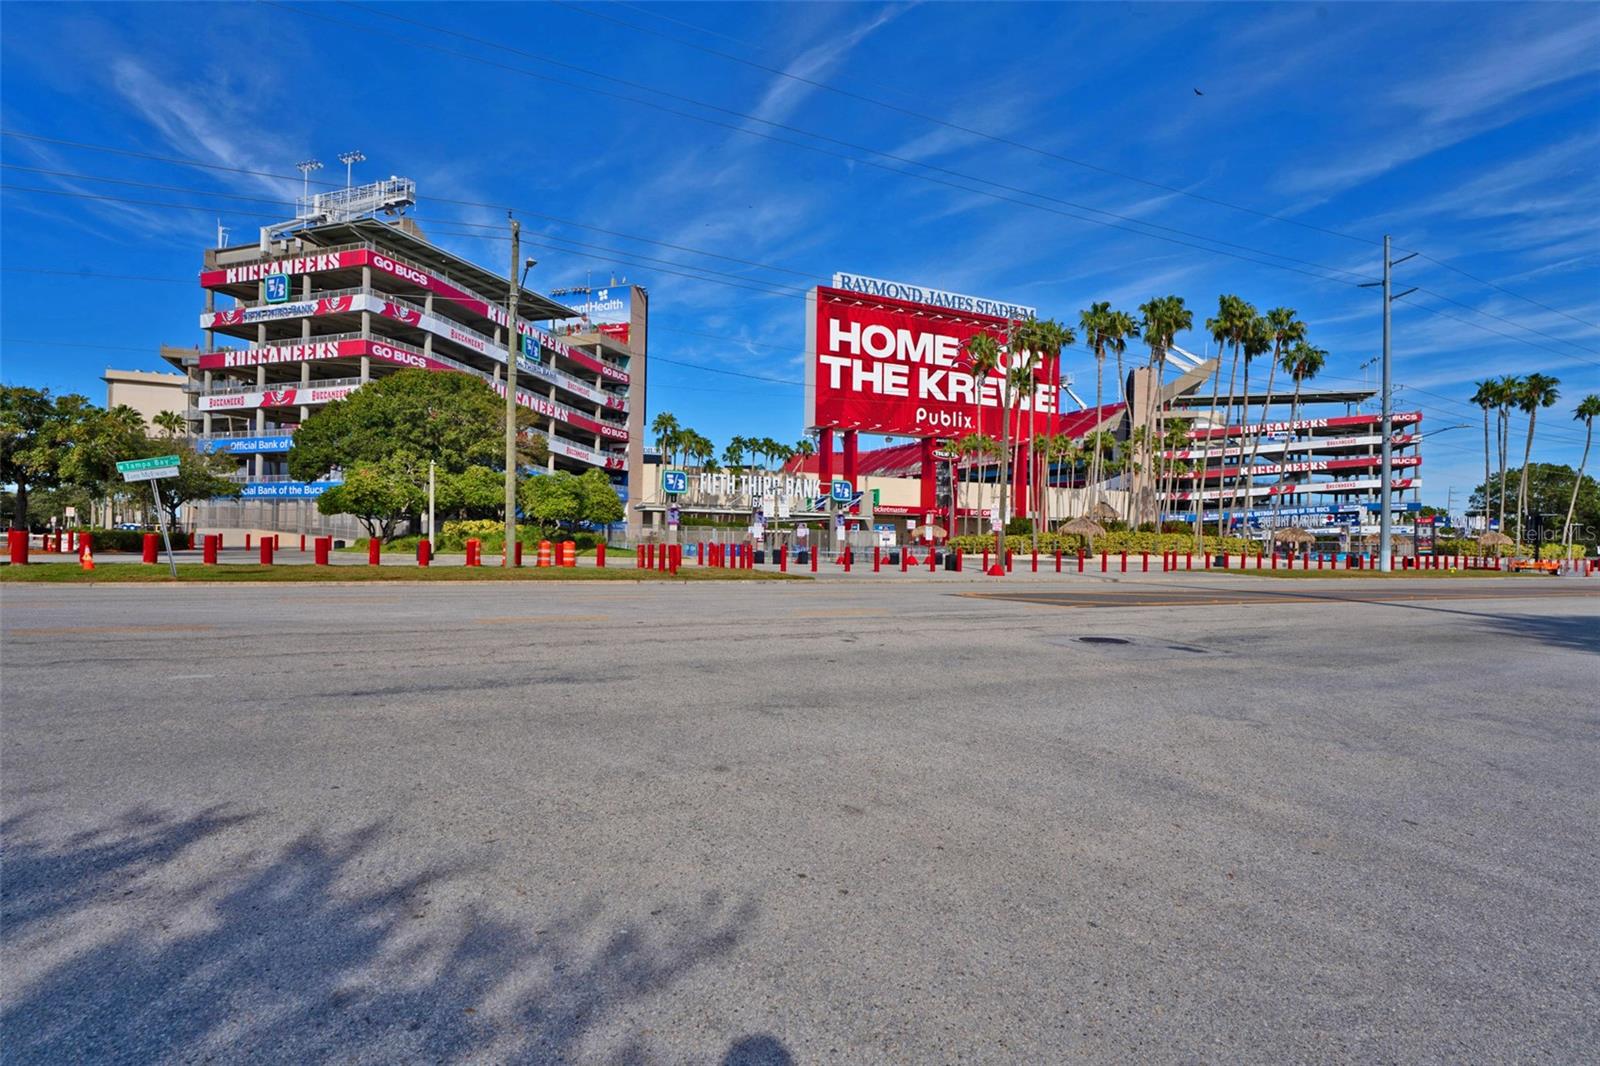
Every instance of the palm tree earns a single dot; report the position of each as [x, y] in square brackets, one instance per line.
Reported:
[1234, 321]
[805, 446]
[1164, 318]
[1023, 343]
[666, 428]
[171, 423]
[1507, 389]
[1104, 330]
[733, 454]
[1052, 337]
[1484, 397]
[1302, 363]
[983, 356]
[1538, 390]
[1257, 341]
[1586, 413]
[1284, 330]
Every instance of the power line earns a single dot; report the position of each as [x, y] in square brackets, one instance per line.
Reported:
[1013, 143]
[857, 147]
[641, 239]
[737, 128]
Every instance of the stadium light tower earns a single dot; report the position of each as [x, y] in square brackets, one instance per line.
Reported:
[305, 168]
[350, 159]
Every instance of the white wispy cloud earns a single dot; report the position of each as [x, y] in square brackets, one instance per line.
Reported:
[1462, 96]
[785, 94]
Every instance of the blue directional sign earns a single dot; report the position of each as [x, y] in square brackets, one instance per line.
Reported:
[276, 287]
[842, 491]
[674, 482]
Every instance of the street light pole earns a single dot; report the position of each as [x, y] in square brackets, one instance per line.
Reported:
[512, 339]
[1385, 490]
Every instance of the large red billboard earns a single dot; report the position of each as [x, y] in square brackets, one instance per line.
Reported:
[894, 367]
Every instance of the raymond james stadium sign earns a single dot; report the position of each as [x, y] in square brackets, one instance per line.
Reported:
[917, 294]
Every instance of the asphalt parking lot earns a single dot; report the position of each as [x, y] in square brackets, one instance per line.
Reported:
[1204, 819]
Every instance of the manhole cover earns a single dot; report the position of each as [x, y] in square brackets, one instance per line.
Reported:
[1101, 640]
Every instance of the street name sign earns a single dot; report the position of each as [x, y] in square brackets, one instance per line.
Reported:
[148, 469]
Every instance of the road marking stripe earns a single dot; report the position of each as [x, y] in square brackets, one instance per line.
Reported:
[535, 619]
[61, 631]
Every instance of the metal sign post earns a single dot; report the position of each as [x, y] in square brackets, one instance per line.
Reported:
[153, 470]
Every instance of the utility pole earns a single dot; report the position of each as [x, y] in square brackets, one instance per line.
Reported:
[512, 339]
[1385, 491]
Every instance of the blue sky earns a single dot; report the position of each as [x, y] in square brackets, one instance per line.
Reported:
[1469, 132]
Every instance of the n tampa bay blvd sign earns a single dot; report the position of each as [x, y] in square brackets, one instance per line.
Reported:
[148, 469]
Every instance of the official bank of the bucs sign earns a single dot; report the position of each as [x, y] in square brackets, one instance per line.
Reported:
[893, 367]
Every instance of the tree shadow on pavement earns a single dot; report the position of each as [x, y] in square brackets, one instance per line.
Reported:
[317, 952]
[1574, 631]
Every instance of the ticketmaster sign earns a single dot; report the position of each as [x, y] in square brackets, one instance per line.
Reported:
[899, 290]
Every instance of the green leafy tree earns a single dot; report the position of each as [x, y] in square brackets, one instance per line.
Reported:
[1553, 489]
[200, 477]
[453, 419]
[381, 493]
[551, 500]
[1587, 411]
[601, 504]
[476, 492]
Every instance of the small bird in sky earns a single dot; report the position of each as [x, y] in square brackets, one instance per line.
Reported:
[1197, 92]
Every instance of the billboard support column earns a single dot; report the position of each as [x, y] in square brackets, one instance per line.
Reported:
[851, 460]
[930, 480]
[1019, 470]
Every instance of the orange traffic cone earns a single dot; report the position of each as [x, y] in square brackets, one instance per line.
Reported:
[87, 558]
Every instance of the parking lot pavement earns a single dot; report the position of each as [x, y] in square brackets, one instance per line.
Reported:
[826, 822]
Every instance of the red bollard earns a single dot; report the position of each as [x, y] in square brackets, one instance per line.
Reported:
[1058, 560]
[650, 556]
[1036, 560]
[1008, 560]
[247, 542]
[783, 560]
[516, 553]
[1105, 560]
[1124, 562]
[1080, 560]
[17, 546]
[151, 547]
[958, 560]
[933, 559]
[322, 546]
[424, 552]
[266, 551]
[209, 545]
[638, 556]
[700, 552]
[302, 544]
[986, 560]
[847, 560]
[1274, 562]
[1145, 561]
[815, 552]
[474, 550]
[673, 557]
[374, 551]
[905, 559]
[599, 556]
